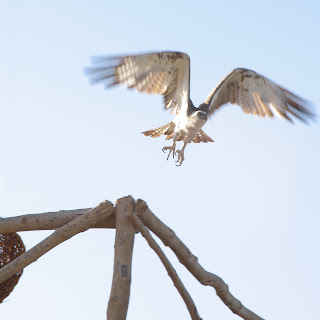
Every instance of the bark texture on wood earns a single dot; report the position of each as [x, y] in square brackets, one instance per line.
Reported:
[49, 221]
[124, 240]
[169, 238]
[80, 224]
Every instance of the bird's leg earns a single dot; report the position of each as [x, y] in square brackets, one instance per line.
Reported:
[180, 154]
[171, 149]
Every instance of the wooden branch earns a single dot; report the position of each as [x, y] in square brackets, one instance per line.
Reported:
[70, 222]
[121, 282]
[80, 224]
[169, 238]
[49, 221]
[171, 271]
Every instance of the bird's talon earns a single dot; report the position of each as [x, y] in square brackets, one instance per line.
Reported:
[175, 153]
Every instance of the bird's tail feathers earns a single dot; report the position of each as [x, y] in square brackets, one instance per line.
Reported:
[202, 137]
[167, 129]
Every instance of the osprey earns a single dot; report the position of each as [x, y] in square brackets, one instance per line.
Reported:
[168, 74]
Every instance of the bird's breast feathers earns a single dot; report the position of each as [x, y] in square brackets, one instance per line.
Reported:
[188, 126]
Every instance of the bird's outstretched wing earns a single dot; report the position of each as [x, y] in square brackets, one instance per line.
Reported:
[257, 95]
[166, 73]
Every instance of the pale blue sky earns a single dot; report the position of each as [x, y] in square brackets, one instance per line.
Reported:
[247, 205]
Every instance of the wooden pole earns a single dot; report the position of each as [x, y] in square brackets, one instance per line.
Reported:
[49, 221]
[121, 282]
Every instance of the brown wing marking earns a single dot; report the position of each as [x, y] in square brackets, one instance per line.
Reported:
[202, 137]
[259, 96]
[167, 129]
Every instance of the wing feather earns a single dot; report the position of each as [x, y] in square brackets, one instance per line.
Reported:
[165, 73]
[257, 95]
[202, 137]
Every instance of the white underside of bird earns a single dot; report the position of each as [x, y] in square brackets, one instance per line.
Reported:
[186, 127]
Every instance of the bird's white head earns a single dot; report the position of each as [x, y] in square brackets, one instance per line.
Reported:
[201, 115]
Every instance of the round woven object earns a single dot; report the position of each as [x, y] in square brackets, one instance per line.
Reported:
[11, 247]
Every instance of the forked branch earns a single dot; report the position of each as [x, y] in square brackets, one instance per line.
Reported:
[171, 271]
[80, 224]
[169, 238]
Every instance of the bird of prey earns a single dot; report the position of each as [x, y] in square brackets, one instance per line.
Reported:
[168, 73]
